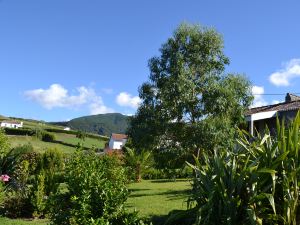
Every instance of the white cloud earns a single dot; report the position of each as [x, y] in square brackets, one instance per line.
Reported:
[57, 96]
[283, 77]
[258, 92]
[97, 107]
[125, 99]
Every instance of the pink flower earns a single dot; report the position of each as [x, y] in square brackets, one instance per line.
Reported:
[4, 178]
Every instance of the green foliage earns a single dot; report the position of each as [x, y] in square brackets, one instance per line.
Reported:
[96, 191]
[51, 165]
[38, 198]
[139, 161]
[48, 137]
[81, 135]
[19, 131]
[189, 104]
[255, 183]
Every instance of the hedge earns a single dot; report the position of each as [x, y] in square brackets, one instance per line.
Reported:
[19, 131]
[74, 132]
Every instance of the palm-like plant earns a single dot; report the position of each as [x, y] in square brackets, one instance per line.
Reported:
[138, 160]
[254, 183]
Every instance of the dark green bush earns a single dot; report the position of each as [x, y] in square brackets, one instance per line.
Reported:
[96, 192]
[48, 137]
[19, 131]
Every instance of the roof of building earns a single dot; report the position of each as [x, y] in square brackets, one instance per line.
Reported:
[119, 136]
[292, 102]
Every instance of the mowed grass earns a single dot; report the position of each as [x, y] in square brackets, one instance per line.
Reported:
[6, 221]
[38, 145]
[156, 198]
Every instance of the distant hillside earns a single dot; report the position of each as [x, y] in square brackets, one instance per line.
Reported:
[103, 124]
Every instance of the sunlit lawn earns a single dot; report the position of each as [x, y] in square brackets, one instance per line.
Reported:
[158, 197]
[6, 221]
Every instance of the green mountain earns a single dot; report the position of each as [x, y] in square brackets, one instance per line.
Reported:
[103, 124]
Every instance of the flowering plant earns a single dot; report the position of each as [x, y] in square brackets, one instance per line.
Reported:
[4, 177]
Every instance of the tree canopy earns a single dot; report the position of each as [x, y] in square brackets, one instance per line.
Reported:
[189, 103]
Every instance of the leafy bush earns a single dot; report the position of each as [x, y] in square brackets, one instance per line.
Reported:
[254, 183]
[48, 137]
[96, 192]
[51, 164]
[19, 131]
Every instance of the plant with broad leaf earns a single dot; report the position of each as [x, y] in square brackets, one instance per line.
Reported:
[254, 183]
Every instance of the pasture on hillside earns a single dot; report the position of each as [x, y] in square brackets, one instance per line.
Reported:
[41, 146]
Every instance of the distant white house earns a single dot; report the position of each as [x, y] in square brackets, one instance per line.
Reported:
[11, 124]
[117, 141]
[67, 128]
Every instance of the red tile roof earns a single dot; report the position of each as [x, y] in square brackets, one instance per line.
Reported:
[118, 136]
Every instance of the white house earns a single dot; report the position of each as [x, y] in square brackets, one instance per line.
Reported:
[67, 128]
[11, 124]
[117, 141]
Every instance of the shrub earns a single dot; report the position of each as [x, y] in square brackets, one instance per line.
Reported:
[48, 137]
[19, 131]
[51, 164]
[96, 192]
[254, 183]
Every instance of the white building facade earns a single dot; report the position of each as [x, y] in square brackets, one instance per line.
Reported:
[11, 124]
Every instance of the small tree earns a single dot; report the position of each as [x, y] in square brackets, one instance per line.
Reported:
[139, 161]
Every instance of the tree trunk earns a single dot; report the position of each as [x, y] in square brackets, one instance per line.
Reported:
[138, 173]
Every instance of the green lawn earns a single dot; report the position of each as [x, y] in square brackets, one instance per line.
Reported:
[158, 197]
[6, 221]
[38, 145]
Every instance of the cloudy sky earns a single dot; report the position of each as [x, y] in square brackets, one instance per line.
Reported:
[61, 59]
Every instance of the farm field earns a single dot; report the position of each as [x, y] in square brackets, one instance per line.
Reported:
[41, 146]
[38, 145]
[72, 139]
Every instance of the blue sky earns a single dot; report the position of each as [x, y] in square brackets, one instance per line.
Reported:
[61, 59]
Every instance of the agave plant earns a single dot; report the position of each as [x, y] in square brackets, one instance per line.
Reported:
[254, 183]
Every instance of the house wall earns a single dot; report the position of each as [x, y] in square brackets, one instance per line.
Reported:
[115, 144]
[260, 125]
[11, 125]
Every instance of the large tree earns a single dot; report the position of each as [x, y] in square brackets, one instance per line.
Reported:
[189, 103]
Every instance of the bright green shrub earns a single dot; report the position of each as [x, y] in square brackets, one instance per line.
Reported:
[38, 196]
[96, 192]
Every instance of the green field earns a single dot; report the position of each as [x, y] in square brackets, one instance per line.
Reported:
[72, 139]
[41, 146]
[156, 198]
[38, 145]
